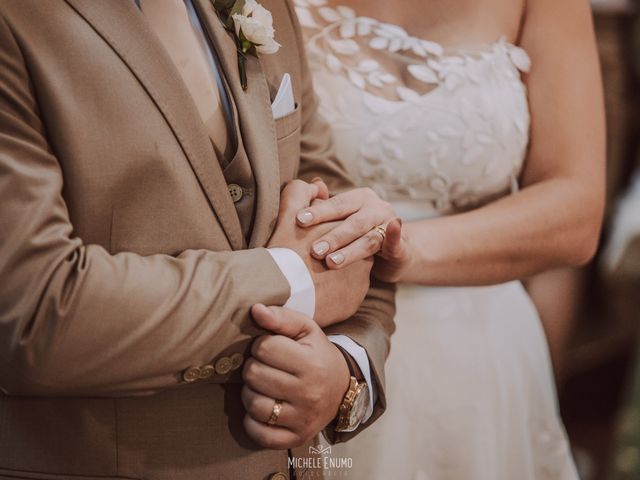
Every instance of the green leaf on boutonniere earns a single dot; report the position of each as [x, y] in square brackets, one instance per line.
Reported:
[225, 10]
[237, 8]
[246, 46]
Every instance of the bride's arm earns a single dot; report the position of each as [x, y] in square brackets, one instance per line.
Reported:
[555, 218]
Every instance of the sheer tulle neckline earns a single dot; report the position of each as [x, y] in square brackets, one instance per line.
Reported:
[361, 48]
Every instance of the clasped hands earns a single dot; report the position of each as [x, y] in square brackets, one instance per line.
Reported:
[295, 373]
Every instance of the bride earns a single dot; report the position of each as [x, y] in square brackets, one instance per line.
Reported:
[481, 122]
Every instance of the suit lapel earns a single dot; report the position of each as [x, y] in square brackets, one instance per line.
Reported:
[257, 126]
[121, 25]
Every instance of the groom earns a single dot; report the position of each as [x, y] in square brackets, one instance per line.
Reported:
[142, 235]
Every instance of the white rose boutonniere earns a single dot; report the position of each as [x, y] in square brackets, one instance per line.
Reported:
[252, 27]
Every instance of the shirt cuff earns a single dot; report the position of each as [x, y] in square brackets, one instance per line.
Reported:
[360, 356]
[303, 292]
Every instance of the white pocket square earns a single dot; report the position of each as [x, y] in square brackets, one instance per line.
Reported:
[284, 103]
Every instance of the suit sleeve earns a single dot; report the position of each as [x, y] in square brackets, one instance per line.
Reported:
[76, 320]
[373, 325]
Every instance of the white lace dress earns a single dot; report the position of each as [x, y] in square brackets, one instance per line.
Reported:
[470, 389]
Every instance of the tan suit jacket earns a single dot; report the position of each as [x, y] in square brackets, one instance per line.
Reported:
[122, 261]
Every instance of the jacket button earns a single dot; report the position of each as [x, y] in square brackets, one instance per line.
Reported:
[237, 359]
[223, 365]
[278, 476]
[191, 374]
[206, 371]
[236, 192]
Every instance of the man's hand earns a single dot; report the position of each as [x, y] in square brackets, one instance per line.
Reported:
[338, 293]
[354, 238]
[299, 366]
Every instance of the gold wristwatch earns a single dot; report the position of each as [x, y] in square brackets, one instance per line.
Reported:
[355, 402]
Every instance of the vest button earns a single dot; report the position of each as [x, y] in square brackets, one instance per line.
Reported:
[236, 192]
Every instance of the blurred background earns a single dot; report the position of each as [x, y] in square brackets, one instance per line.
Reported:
[592, 315]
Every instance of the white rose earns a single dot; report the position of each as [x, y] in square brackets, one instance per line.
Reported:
[256, 25]
[255, 10]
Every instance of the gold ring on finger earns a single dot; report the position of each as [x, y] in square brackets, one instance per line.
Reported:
[275, 412]
[382, 230]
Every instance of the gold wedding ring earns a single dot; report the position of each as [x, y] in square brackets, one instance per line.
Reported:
[275, 412]
[382, 230]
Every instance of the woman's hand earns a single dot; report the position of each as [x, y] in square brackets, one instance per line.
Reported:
[353, 239]
[338, 293]
[395, 257]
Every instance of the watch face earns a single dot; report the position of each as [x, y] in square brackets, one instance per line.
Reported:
[359, 408]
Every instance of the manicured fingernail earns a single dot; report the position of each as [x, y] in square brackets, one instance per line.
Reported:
[316, 179]
[321, 248]
[337, 258]
[305, 217]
